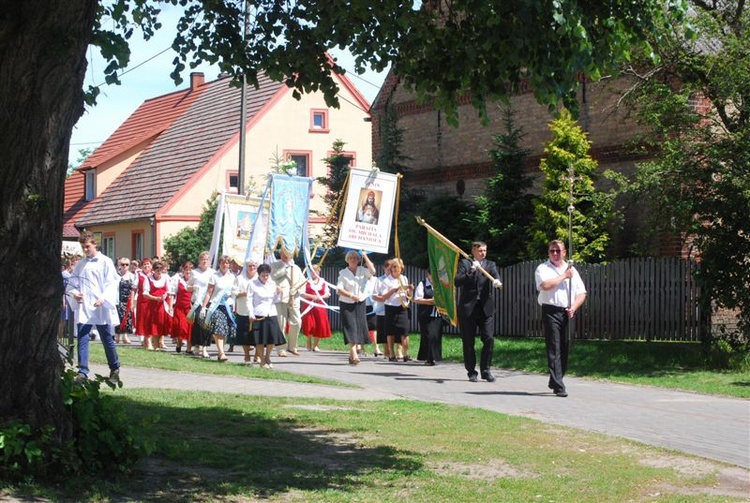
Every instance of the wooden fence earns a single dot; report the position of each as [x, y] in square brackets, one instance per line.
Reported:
[635, 299]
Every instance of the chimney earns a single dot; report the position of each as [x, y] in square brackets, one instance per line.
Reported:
[196, 79]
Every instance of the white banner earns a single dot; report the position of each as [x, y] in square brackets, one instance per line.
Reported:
[240, 214]
[368, 214]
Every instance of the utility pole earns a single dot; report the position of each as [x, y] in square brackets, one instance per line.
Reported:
[243, 110]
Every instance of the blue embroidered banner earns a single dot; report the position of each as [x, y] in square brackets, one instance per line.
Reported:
[290, 206]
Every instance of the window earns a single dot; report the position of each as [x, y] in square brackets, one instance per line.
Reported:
[302, 159]
[136, 244]
[319, 121]
[233, 182]
[90, 184]
[108, 246]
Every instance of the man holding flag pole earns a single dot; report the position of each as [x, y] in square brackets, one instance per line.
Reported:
[476, 278]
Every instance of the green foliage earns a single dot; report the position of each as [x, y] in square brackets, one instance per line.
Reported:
[487, 48]
[504, 212]
[338, 173]
[696, 108]
[189, 243]
[569, 150]
[448, 214]
[103, 440]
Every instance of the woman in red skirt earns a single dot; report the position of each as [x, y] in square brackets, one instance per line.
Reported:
[315, 324]
[181, 327]
[156, 292]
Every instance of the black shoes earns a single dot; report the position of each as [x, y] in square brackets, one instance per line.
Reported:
[561, 393]
[473, 378]
[487, 376]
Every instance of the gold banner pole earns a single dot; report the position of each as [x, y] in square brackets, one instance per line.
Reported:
[449, 244]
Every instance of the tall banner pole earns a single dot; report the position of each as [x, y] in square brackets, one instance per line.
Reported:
[452, 246]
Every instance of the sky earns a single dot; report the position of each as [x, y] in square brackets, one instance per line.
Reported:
[147, 76]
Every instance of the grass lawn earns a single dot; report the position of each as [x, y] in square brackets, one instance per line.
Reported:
[225, 447]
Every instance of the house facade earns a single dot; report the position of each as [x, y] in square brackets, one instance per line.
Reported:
[153, 176]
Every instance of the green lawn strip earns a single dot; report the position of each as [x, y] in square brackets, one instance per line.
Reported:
[169, 360]
[227, 447]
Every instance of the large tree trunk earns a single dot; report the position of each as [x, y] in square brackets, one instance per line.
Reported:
[42, 65]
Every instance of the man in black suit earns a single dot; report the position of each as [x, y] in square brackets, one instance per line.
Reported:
[476, 309]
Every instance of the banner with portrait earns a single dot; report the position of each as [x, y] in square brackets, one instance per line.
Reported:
[368, 213]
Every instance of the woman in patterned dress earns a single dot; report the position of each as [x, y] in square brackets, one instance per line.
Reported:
[220, 322]
[126, 295]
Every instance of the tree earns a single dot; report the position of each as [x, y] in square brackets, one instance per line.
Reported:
[189, 243]
[696, 106]
[569, 149]
[505, 210]
[338, 172]
[477, 46]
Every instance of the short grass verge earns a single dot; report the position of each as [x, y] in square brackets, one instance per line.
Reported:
[223, 447]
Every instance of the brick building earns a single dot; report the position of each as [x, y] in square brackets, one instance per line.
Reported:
[453, 160]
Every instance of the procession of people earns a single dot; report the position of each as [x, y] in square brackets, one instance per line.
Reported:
[263, 307]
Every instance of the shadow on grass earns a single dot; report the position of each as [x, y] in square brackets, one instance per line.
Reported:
[207, 452]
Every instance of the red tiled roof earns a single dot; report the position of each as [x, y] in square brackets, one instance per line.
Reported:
[74, 202]
[178, 153]
[151, 118]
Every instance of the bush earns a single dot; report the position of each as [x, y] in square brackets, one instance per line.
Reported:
[103, 441]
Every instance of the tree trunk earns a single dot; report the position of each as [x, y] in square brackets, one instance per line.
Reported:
[42, 65]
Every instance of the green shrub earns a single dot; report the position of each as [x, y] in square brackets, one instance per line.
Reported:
[103, 441]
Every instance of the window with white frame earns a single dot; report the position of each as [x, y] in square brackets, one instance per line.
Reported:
[90, 184]
[108, 246]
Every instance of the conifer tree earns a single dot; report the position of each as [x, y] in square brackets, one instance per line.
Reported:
[593, 209]
[504, 212]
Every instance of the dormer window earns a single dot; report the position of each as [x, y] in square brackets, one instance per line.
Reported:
[319, 121]
[90, 184]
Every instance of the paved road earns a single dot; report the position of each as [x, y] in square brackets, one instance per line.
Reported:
[707, 426]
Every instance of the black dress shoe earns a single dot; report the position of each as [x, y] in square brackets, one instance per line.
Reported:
[473, 378]
[487, 376]
[561, 393]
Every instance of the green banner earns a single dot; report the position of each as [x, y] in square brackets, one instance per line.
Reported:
[443, 265]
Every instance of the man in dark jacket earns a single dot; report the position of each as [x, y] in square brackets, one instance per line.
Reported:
[476, 309]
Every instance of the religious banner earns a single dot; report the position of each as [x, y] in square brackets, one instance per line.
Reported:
[368, 214]
[240, 213]
[290, 207]
[443, 266]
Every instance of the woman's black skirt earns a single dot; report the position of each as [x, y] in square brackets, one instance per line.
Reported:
[354, 322]
[266, 331]
[396, 321]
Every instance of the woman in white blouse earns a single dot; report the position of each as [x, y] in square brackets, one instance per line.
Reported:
[220, 320]
[262, 295]
[351, 288]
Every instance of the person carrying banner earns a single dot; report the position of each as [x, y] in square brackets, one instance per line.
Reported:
[561, 293]
[351, 286]
[476, 309]
[289, 277]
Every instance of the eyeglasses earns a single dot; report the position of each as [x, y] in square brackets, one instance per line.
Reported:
[124, 265]
[555, 250]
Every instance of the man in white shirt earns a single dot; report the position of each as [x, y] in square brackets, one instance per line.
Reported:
[561, 293]
[289, 277]
[93, 285]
